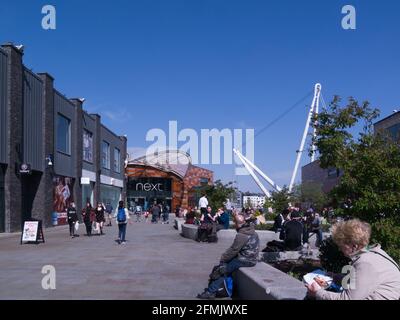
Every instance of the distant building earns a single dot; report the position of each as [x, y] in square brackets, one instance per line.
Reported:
[390, 124]
[255, 200]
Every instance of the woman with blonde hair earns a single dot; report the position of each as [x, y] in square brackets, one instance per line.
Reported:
[374, 275]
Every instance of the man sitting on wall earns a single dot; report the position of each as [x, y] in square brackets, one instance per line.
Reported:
[242, 253]
[223, 219]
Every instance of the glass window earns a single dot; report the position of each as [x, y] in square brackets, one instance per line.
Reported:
[117, 160]
[87, 146]
[63, 134]
[105, 155]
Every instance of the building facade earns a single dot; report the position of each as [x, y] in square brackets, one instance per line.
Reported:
[254, 200]
[52, 152]
[390, 124]
[167, 177]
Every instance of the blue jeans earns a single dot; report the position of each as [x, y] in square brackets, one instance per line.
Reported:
[121, 231]
[231, 266]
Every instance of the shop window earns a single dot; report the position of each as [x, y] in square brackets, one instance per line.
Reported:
[117, 160]
[63, 134]
[87, 146]
[105, 155]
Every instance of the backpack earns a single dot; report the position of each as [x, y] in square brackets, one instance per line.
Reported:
[226, 289]
[121, 217]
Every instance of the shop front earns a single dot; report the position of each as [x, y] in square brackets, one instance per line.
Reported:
[146, 191]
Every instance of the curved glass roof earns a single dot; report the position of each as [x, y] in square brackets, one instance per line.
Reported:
[168, 160]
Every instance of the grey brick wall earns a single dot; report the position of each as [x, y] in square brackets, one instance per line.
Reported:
[12, 181]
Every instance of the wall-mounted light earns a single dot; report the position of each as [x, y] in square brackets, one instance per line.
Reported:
[49, 160]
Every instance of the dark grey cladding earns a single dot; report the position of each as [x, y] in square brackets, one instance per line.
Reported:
[3, 106]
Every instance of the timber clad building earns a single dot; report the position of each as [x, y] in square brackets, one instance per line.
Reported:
[51, 151]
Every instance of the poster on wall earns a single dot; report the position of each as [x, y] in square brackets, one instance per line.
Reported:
[62, 196]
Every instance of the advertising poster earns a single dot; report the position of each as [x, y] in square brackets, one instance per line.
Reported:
[30, 231]
[62, 197]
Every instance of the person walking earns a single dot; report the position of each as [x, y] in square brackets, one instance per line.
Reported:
[155, 213]
[203, 204]
[109, 210]
[72, 219]
[87, 218]
[100, 217]
[122, 217]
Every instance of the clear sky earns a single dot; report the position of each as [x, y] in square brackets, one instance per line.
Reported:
[212, 64]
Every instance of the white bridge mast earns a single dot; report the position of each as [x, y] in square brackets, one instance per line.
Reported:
[250, 165]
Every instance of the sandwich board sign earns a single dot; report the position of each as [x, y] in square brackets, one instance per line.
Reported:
[32, 231]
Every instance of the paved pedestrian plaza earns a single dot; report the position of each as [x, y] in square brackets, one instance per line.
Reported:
[155, 263]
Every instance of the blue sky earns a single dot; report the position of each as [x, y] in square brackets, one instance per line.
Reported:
[212, 64]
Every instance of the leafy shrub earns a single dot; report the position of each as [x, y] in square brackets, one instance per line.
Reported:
[332, 259]
[386, 232]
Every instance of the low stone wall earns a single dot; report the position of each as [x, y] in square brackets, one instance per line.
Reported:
[189, 231]
[264, 235]
[264, 282]
[178, 222]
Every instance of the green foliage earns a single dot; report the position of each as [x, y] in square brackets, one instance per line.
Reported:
[280, 200]
[387, 233]
[311, 193]
[369, 162]
[217, 194]
[332, 259]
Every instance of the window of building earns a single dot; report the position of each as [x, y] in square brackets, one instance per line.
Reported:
[203, 181]
[87, 146]
[63, 134]
[117, 160]
[395, 131]
[105, 155]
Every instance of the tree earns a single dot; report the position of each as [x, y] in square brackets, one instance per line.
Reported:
[369, 162]
[217, 194]
[248, 203]
[310, 193]
[370, 183]
[280, 200]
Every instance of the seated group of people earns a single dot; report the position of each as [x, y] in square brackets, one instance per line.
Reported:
[374, 274]
[295, 230]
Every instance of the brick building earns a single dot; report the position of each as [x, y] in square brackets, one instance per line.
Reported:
[167, 177]
[52, 152]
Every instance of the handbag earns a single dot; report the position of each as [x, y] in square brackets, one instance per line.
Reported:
[76, 226]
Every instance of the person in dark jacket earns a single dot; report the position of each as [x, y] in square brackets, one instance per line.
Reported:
[279, 220]
[223, 219]
[295, 233]
[87, 214]
[155, 213]
[72, 219]
[242, 253]
[100, 217]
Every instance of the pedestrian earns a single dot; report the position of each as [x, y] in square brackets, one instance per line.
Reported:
[203, 203]
[72, 219]
[155, 213]
[122, 217]
[87, 218]
[100, 218]
[109, 210]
